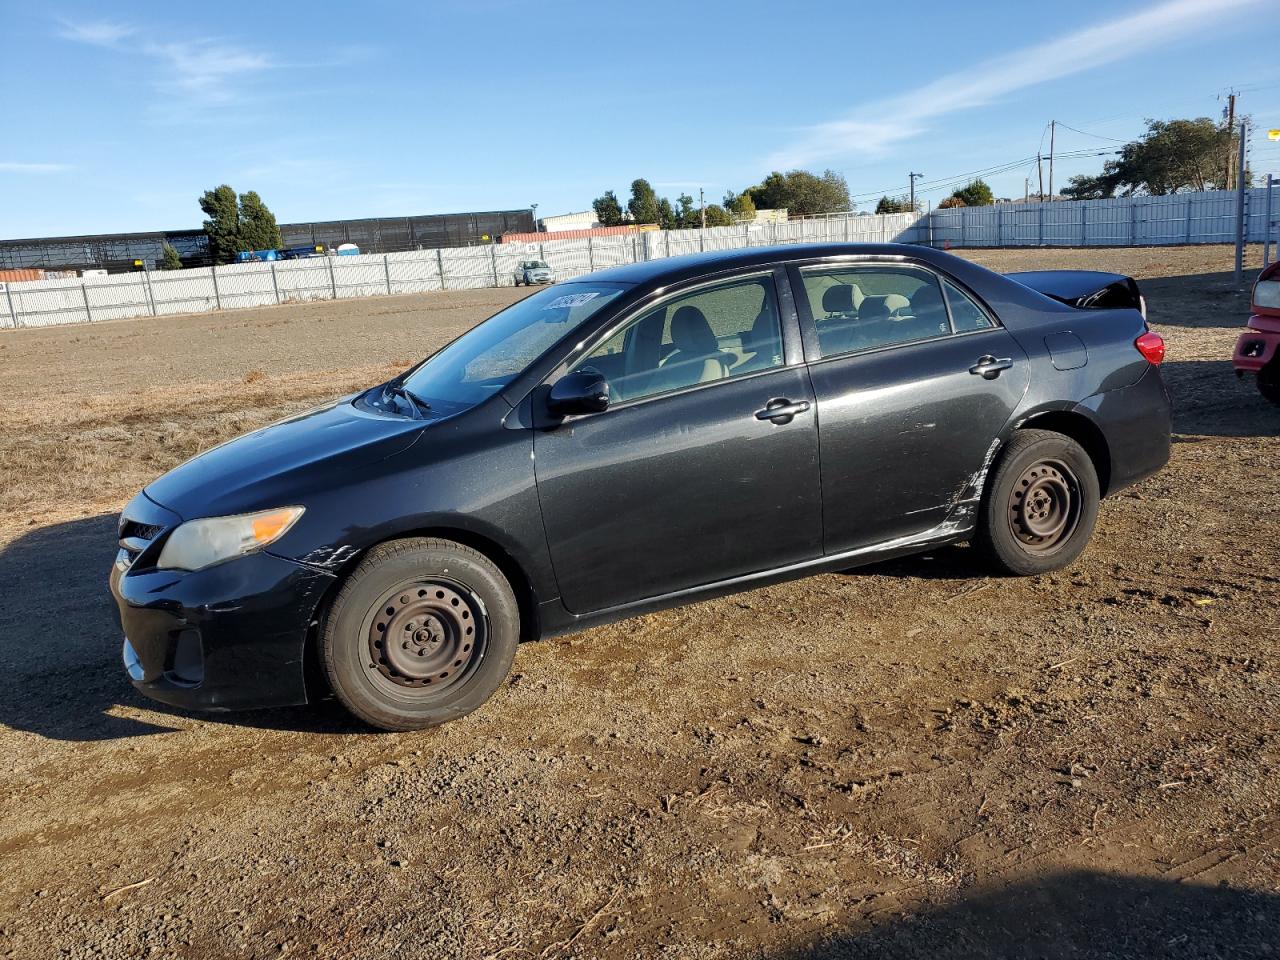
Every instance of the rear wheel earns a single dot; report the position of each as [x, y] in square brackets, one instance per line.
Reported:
[1269, 382]
[1040, 505]
[422, 631]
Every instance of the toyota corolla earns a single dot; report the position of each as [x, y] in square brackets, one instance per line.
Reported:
[635, 439]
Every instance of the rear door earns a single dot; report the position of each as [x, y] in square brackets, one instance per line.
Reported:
[914, 381]
[686, 479]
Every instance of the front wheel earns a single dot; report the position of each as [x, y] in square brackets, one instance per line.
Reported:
[421, 632]
[1040, 505]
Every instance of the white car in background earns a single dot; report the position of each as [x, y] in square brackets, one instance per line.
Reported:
[534, 271]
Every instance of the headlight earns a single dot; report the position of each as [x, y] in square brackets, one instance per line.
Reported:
[197, 544]
[1266, 293]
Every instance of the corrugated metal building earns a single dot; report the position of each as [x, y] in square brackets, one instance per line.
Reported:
[117, 252]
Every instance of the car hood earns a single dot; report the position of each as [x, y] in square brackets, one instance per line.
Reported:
[277, 465]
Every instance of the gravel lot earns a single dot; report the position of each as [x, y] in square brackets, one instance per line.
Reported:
[907, 760]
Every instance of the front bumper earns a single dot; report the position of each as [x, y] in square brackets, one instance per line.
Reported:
[1257, 346]
[227, 637]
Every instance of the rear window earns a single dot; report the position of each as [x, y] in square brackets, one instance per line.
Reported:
[866, 307]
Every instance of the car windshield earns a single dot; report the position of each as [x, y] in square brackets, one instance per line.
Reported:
[488, 357]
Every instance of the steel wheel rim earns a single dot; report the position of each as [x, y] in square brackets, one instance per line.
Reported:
[1044, 506]
[427, 636]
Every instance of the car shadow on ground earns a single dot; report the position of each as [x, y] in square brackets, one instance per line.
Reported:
[1210, 400]
[1081, 915]
[1198, 300]
[61, 675]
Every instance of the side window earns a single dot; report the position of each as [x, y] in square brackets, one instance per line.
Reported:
[965, 314]
[710, 334]
[864, 307]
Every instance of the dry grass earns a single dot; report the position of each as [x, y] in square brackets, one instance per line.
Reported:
[94, 452]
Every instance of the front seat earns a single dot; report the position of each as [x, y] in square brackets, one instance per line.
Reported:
[697, 357]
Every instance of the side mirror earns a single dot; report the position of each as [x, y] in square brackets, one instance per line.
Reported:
[583, 391]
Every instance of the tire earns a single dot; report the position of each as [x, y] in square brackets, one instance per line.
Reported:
[1269, 382]
[456, 623]
[1040, 505]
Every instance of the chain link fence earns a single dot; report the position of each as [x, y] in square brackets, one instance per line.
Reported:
[1137, 221]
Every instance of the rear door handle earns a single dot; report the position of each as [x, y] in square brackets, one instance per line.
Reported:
[989, 367]
[781, 410]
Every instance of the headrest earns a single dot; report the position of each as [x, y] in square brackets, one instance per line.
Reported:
[876, 308]
[691, 333]
[838, 299]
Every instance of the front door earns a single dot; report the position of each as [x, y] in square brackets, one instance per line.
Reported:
[914, 383]
[692, 476]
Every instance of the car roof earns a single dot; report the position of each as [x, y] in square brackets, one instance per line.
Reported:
[668, 270]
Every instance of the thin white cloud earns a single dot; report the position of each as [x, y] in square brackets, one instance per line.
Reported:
[872, 128]
[206, 70]
[98, 33]
[13, 166]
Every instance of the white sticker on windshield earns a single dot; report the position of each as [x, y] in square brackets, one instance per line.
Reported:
[571, 300]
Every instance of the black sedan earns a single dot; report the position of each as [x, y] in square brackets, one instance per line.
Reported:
[639, 438]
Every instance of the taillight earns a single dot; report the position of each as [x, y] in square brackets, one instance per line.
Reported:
[1151, 346]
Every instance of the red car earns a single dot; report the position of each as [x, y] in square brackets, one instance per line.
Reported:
[1258, 349]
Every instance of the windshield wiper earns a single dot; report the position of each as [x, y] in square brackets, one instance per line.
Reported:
[396, 389]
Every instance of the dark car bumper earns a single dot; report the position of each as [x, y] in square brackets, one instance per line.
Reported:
[228, 637]
[1137, 423]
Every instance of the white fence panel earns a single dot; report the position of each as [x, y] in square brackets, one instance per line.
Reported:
[43, 303]
[363, 275]
[415, 272]
[298, 281]
[246, 285]
[1180, 219]
[183, 291]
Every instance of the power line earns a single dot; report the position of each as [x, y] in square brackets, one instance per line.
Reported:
[1088, 134]
[958, 179]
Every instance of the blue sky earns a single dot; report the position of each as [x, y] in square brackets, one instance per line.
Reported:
[117, 116]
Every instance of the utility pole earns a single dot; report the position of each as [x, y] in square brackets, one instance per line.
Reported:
[1040, 176]
[1026, 189]
[1053, 128]
[702, 207]
[1231, 126]
[913, 176]
[1240, 207]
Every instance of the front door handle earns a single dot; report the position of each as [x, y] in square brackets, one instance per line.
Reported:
[989, 367]
[781, 410]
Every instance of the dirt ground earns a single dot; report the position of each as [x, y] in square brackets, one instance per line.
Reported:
[906, 760]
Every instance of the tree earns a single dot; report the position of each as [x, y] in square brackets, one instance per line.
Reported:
[223, 223]
[893, 205]
[951, 201]
[169, 259]
[688, 216]
[234, 225]
[1172, 155]
[608, 210]
[975, 193]
[740, 205]
[643, 204]
[718, 216]
[666, 215]
[258, 227]
[801, 193]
